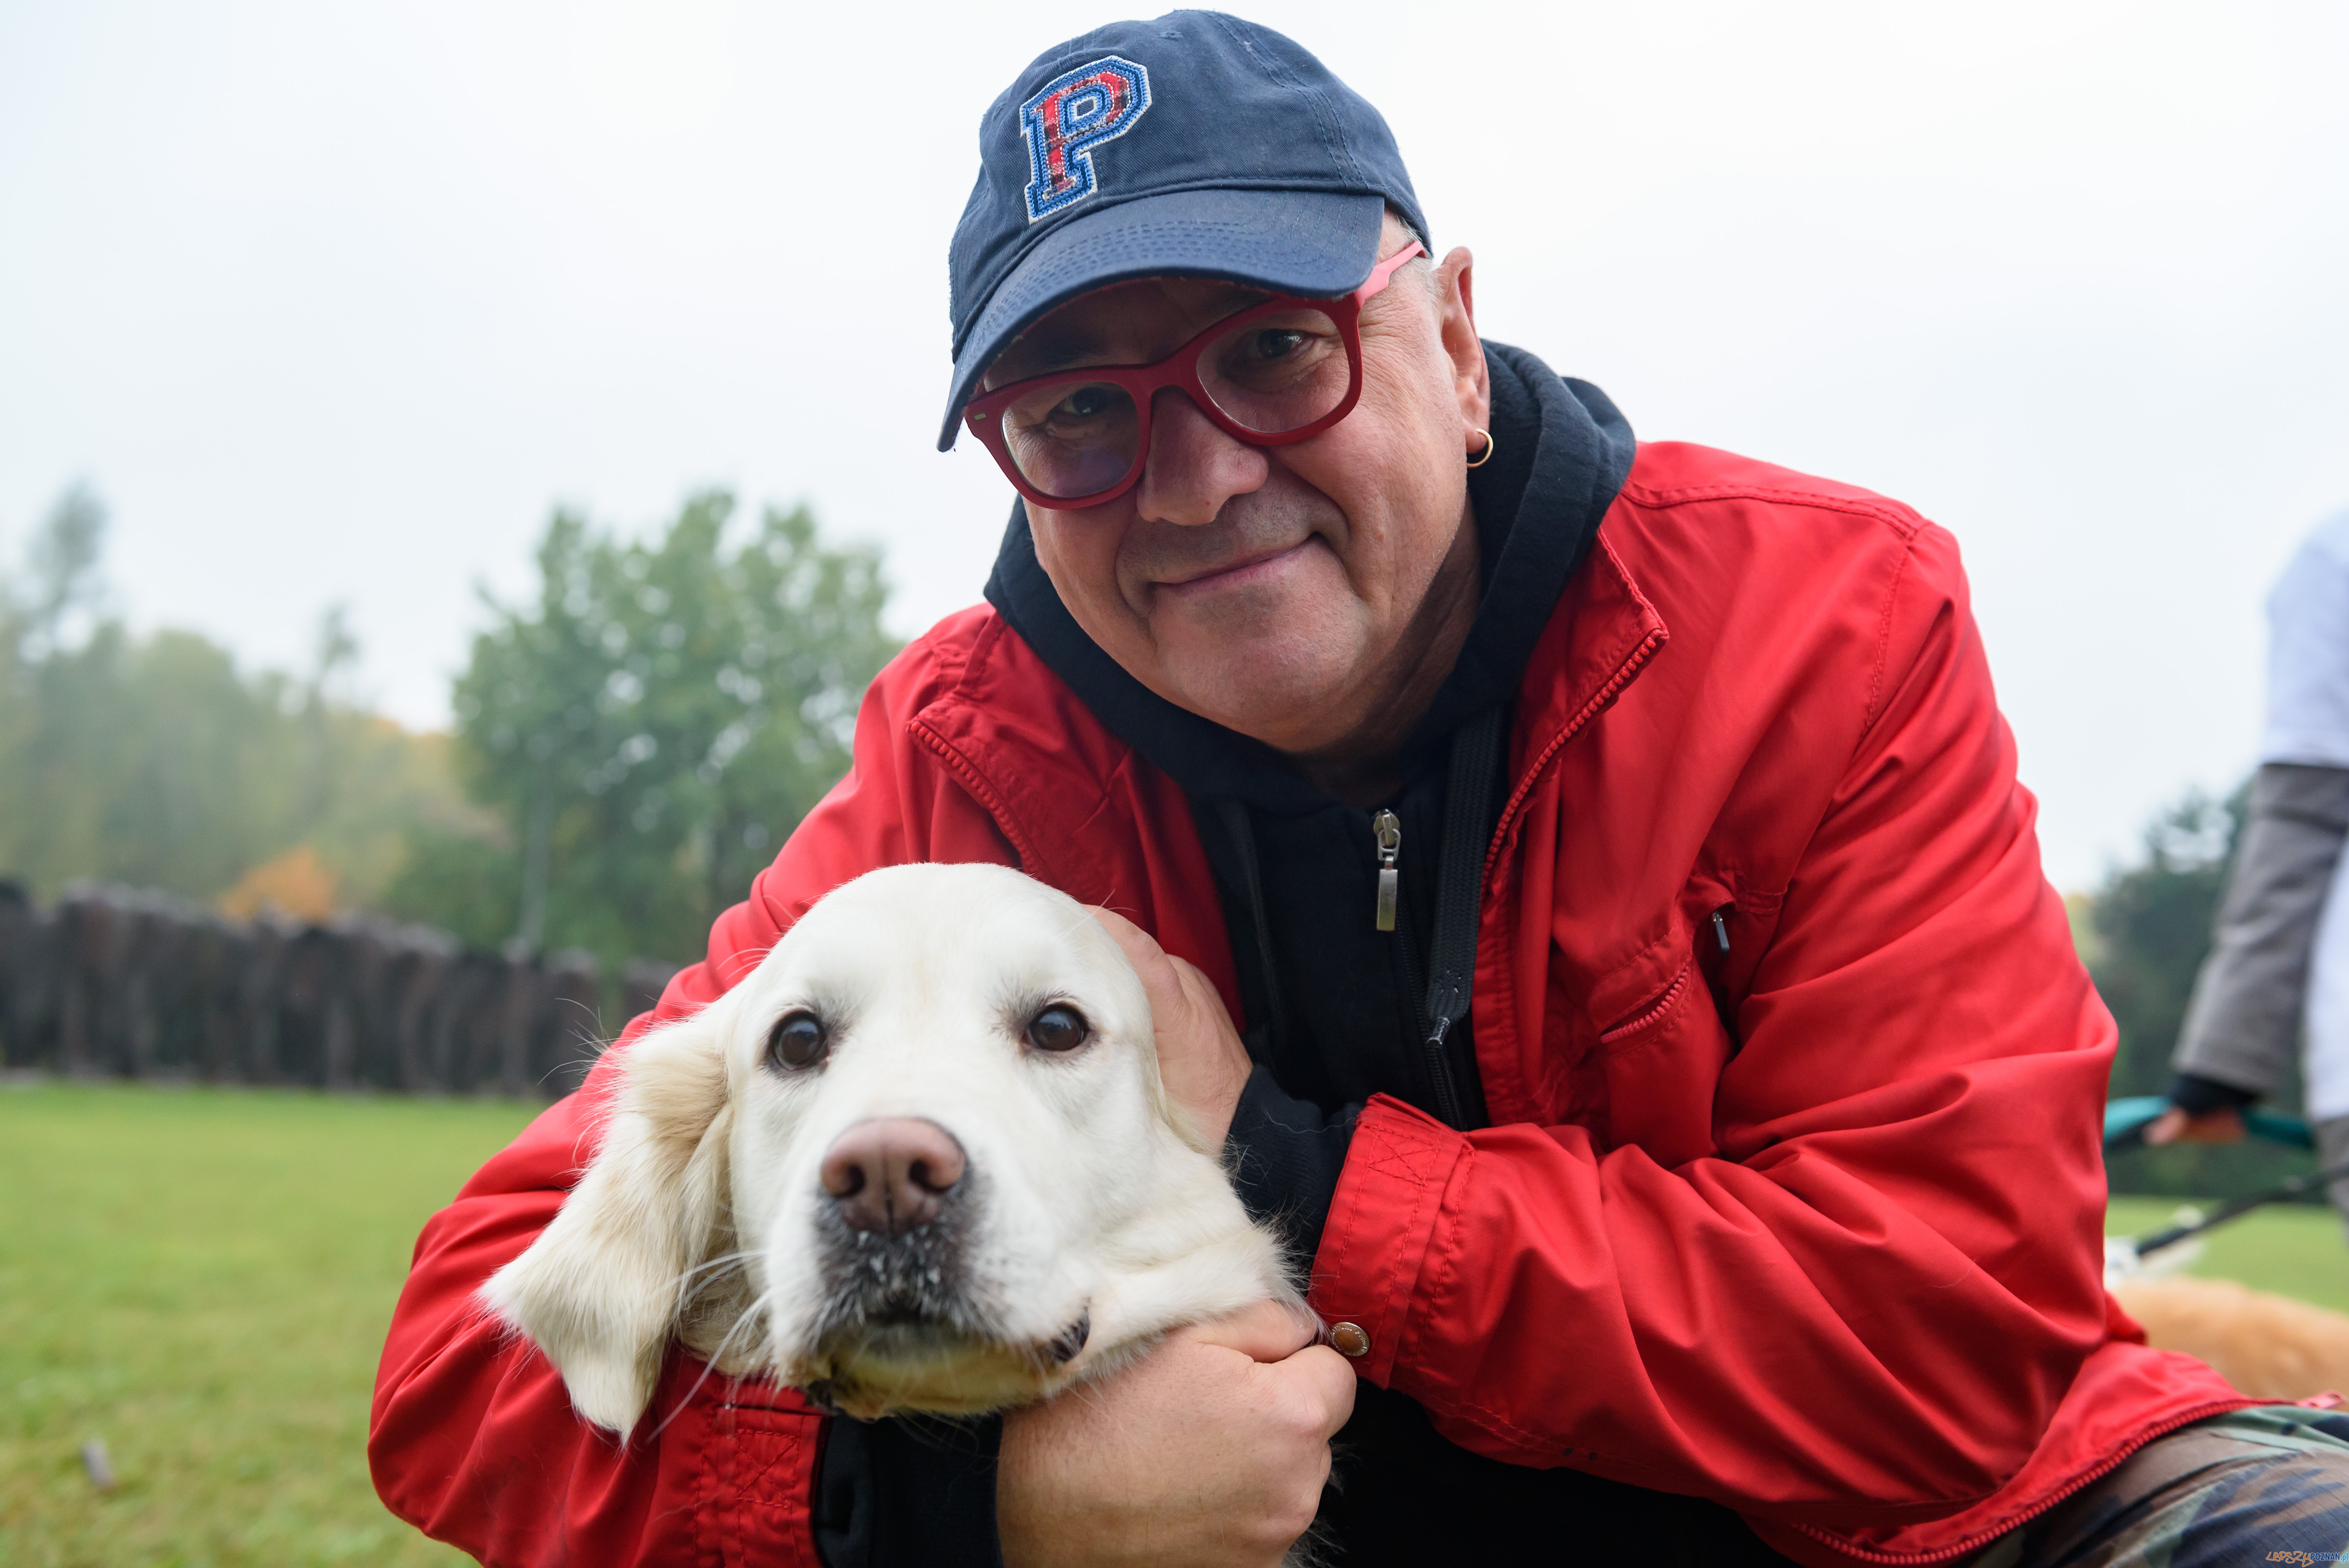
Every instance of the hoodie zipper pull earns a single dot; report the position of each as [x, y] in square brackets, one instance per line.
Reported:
[1387, 829]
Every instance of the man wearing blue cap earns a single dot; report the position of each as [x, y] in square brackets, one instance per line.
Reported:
[1583, 883]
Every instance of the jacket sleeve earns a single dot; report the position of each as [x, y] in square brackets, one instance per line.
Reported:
[472, 1437]
[1866, 1303]
[2242, 1022]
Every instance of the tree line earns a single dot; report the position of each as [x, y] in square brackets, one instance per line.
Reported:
[631, 740]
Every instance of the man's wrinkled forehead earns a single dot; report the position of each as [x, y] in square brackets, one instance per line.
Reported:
[1105, 326]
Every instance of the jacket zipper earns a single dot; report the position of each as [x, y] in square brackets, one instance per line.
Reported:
[1535, 762]
[1438, 1060]
[1386, 833]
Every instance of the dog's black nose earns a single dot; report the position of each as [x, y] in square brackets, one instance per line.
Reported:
[888, 1174]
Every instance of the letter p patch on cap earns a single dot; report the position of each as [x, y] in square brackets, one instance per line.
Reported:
[1071, 115]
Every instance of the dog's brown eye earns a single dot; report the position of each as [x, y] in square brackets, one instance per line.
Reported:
[797, 1040]
[1058, 1028]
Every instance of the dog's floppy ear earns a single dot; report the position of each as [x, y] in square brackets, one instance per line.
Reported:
[600, 1289]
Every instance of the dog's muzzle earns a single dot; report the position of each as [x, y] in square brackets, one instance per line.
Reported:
[899, 1306]
[894, 1231]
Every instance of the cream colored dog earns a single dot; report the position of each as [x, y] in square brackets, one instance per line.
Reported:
[920, 1159]
[2270, 1346]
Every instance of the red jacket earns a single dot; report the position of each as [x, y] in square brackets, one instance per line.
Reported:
[1811, 1229]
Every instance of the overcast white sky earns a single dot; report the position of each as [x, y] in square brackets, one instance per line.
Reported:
[333, 301]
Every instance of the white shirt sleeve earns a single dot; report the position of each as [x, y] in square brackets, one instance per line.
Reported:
[2308, 652]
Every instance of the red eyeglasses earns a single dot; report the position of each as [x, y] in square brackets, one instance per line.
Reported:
[1276, 373]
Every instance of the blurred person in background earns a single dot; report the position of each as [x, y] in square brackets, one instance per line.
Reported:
[2278, 970]
[1752, 1210]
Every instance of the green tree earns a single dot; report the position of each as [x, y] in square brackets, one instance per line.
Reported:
[153, 761]
[651, 726]
[2152, 925]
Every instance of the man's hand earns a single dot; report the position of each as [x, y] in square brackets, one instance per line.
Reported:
[1200, 1056]
[2177, 1125]
[1209, 1452]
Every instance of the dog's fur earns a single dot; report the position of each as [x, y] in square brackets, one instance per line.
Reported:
[2270, 1346]
[1090, 1220]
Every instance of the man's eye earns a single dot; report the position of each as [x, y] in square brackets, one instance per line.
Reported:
[1058, 1027]
[1084, 403]
[1276, 343]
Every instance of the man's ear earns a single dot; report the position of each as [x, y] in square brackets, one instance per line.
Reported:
[1455, 314]
[600, 1289]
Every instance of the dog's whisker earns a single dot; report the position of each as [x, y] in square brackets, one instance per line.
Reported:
[758, 1306]
[723, 1260]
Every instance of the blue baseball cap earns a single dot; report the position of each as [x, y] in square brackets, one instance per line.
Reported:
[1196, 145]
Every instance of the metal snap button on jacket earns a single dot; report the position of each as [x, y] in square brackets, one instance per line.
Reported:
[1350, 1340]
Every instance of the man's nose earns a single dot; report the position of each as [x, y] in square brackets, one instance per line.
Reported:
[888, 1175]
[1194, 466]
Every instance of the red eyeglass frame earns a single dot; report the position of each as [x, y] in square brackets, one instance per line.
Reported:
[1181, 369]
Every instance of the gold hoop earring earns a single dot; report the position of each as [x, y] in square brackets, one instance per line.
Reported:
[1481, 458]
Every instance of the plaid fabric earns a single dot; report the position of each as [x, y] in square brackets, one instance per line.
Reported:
[2265, 1484]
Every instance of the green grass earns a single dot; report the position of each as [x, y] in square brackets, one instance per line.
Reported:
[2293, 1249]
[201, 1278]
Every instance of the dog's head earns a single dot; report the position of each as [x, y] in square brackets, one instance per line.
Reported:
[919, 1160]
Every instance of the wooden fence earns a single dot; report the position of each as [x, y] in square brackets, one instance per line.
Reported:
[112, 981]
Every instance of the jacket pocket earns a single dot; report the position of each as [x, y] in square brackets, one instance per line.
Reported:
[1651, 1015]
[1664, 1066]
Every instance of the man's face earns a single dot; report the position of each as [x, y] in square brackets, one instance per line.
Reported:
[1291, 594]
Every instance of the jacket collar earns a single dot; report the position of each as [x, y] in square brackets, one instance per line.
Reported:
[1601, 637]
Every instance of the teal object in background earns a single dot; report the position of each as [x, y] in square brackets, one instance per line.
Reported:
[2125, 1122]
